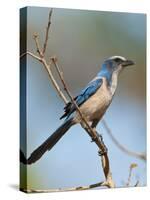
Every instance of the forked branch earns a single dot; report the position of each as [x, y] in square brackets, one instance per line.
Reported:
[47, 31]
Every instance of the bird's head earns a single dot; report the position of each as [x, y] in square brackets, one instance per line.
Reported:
[117, 63]
[113, 65]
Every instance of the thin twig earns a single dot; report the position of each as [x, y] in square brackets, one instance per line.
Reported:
[36, 39]
[141, 156]
[47, 31]
[132, 166]
[54, 83]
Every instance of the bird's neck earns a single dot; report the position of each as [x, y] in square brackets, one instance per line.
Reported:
[111, 78]
[106, 73]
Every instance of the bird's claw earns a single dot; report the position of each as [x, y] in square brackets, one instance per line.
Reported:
[93, 139]
[102, 152]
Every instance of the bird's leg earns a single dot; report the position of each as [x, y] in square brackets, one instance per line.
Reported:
[85, 126]
[96, 135]
[100, 137]
[104, 149]
[93, 125]
[93, 136]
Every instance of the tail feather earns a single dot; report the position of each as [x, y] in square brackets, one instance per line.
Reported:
[22, 158]
[50, 142]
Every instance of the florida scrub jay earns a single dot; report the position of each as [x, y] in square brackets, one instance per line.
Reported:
[93, 101]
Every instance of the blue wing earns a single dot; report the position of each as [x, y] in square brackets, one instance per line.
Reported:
[84, 95]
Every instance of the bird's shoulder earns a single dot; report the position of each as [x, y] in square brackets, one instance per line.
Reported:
[104, 91]
[84, 95]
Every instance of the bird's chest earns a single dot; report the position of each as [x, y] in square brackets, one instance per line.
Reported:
[96, 105]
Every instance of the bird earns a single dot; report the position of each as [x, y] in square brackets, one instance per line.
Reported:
[93, 102]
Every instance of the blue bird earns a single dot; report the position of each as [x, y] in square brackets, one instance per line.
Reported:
[93, 101]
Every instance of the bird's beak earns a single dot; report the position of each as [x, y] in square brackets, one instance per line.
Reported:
[127, 63]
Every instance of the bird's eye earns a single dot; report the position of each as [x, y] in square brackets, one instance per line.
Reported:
[117, 60]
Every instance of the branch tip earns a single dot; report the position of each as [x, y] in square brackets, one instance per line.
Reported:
[47, 32]
[35, 35]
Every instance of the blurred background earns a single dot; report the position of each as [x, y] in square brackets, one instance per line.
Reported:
[81, 40]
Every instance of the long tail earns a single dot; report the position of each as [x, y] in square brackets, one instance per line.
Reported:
[50, 142]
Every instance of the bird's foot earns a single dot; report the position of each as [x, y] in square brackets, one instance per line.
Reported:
[103, 152]
[94, 139]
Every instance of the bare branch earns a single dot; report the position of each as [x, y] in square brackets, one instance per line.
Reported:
[100, 184]
[141, 156]
[36, 39]
[56, 86]
[47, 31]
